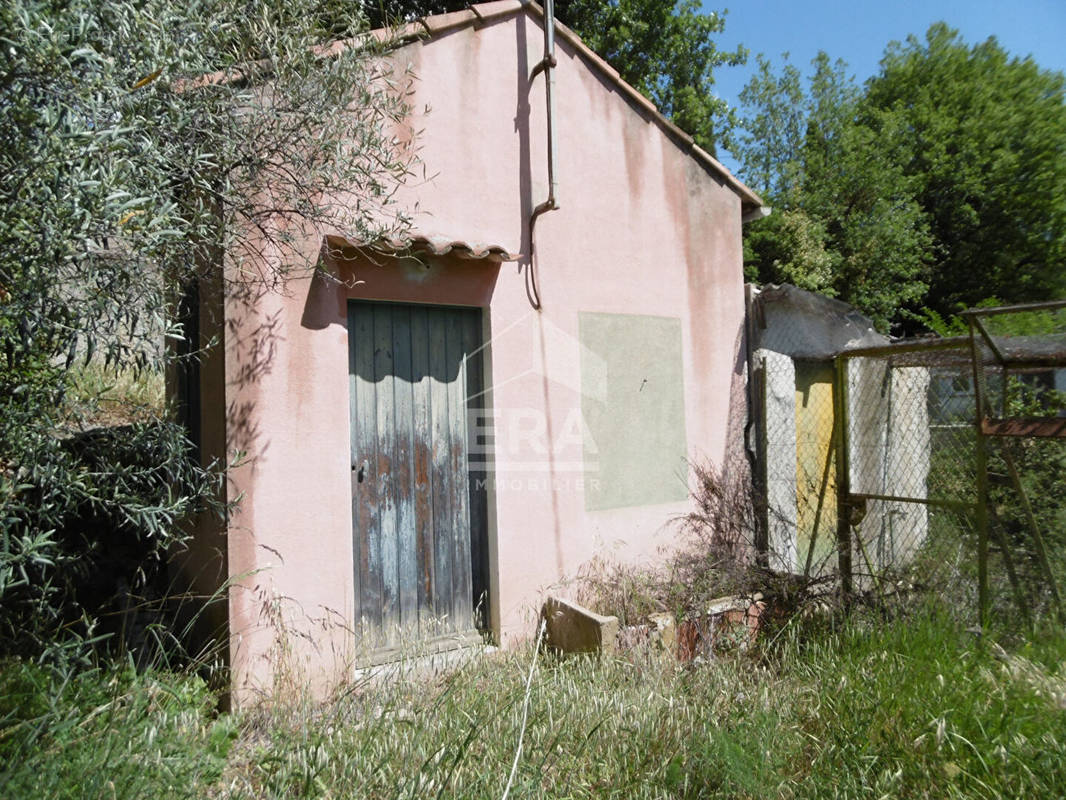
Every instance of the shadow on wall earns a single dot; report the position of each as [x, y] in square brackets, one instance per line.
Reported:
[251, 350]
[321, 307]
[725, 498]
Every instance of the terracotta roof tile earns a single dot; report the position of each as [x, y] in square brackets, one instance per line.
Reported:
[423, 244]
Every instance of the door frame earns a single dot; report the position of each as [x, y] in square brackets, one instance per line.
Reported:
[481, 500]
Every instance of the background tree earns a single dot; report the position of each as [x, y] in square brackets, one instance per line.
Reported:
[983, 138]
[939, 185]
[663, 48]
[845, 221]
[138, 141]
[769, 145]
[666, 50]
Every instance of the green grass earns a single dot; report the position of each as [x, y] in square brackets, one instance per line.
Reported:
[108, 734]
[919, 709]
[100, 395]
[913, 707]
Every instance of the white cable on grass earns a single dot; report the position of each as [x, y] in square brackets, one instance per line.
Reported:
[525, 710]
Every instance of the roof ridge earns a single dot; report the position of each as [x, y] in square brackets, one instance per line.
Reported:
[479, 14]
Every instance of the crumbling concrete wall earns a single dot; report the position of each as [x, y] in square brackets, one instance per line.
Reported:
[778, 453]
[907, 472]
[888, 432]
[802, 324]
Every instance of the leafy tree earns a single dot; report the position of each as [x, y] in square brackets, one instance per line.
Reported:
[983, 136]
[666, 50]
[940, 184]
[846, 222]
[663, 48]
[770, 143]
[789, 246]
[139, 140]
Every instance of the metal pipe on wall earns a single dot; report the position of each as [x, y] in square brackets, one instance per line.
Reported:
[547, 66]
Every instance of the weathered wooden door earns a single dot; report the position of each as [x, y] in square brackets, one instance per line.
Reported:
[418, 513]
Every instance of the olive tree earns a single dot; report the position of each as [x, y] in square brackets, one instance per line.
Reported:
[140, 140]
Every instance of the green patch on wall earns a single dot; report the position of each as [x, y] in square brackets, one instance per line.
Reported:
[633, 402]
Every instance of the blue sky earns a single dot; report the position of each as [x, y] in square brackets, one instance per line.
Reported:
[858, 30]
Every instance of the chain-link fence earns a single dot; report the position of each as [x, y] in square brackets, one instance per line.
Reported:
[909, 448]
[799, 452]
[933, 466]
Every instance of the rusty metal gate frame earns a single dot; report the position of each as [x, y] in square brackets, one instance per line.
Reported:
[988, 427]
[976, 346]
[850, 501]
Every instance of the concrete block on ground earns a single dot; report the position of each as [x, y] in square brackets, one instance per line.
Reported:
[570, 628]
[657, 635]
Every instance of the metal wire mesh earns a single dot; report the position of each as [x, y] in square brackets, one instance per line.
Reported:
[801, 464]
[1027, 528]
[1021, 401]
[874, 478]
[911, 441]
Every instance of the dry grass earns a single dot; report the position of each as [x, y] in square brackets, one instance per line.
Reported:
[914, 708]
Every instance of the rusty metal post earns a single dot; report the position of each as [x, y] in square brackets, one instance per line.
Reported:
[840, 397]
[982, 481]
[1008, 562]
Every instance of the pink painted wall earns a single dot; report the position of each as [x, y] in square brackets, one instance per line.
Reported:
[643, 228]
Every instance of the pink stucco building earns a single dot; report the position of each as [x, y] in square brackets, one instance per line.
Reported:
[427, 449]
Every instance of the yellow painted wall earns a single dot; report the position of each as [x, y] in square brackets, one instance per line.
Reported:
[816, 475]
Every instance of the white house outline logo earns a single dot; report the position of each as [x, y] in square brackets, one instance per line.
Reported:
[583, 372]
[590, 380]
